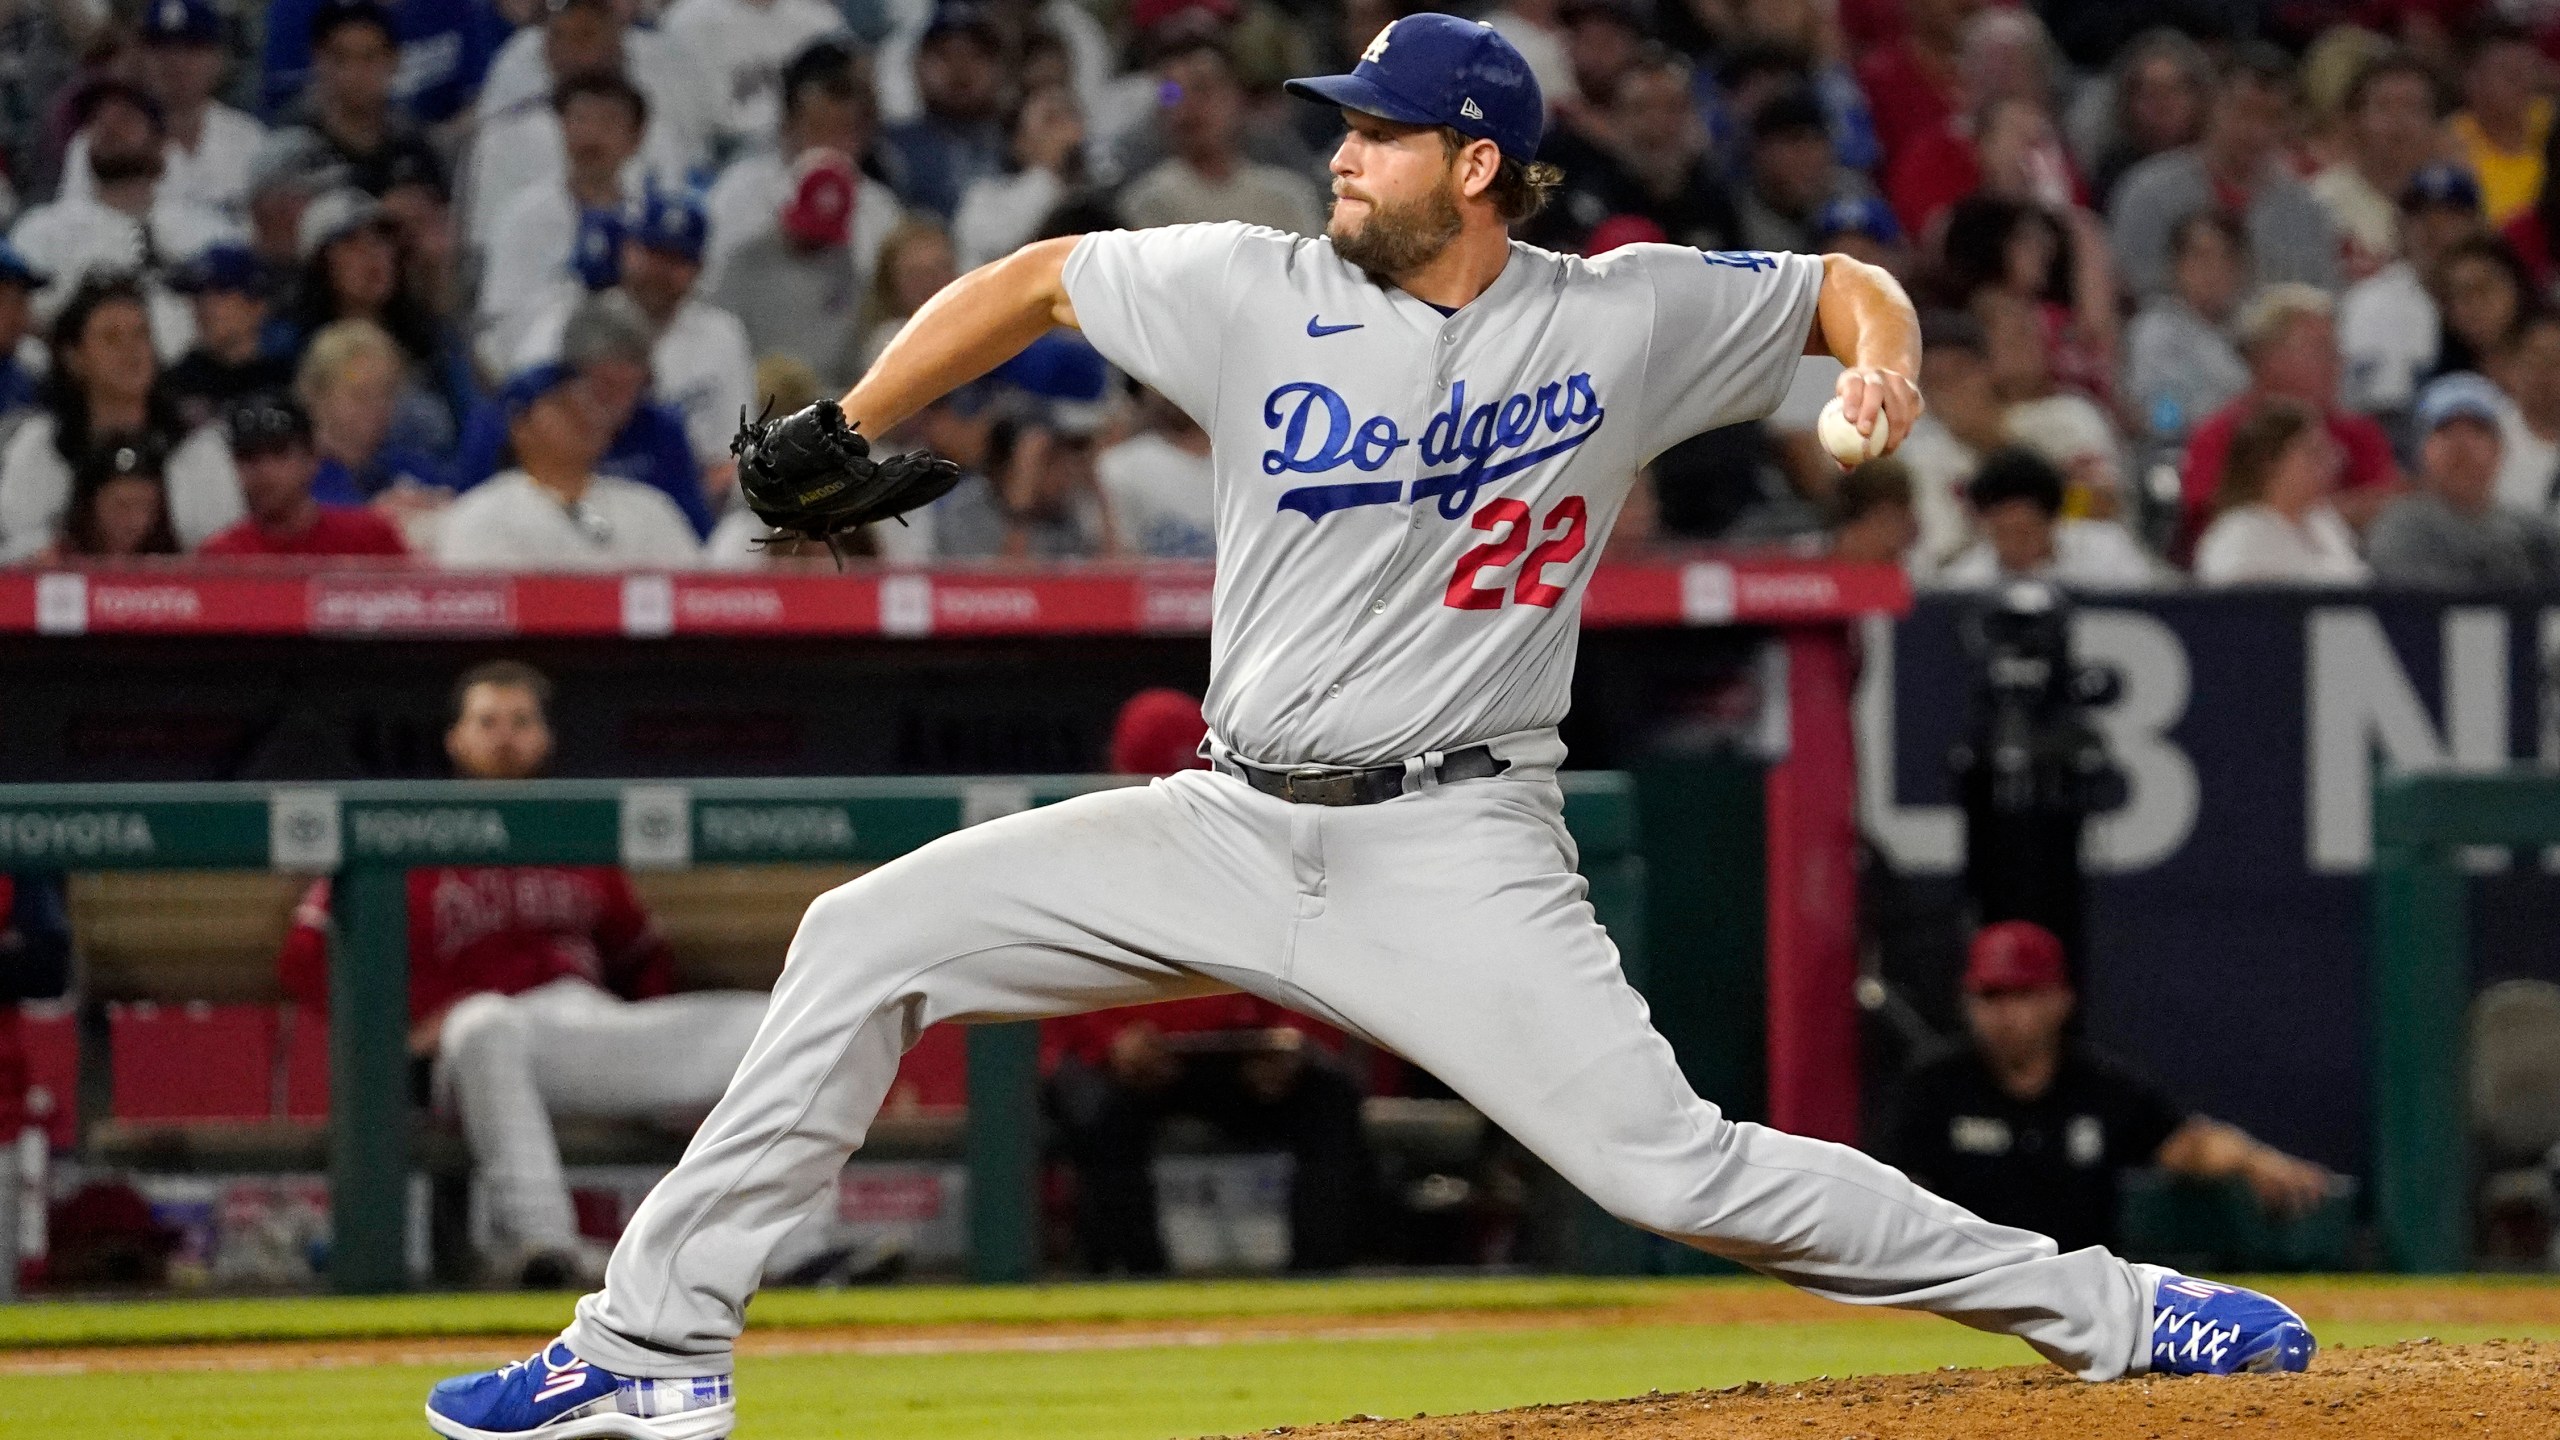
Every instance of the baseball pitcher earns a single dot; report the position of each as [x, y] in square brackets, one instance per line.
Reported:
[1422, 432]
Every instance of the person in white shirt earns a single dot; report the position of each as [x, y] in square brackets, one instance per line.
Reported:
[102, 389]
[2017, 504]
[2527, 372]
[519, 142]
[553, 511]
[700, 363]
[1158, 486]
[743, 46]
[210, 145]
[1207, 177]
[1093, 58]
[2388, 324]
[2275, 525]
[999, 214]
[827, 107]
[127, 223]
[602, 117]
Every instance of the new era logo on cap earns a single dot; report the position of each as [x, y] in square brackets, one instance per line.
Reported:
[1469, 109]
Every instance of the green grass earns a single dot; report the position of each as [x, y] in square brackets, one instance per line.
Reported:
[165, 1322]
[1107, 1395]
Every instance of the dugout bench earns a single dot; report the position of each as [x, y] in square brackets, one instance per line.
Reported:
[812, 833]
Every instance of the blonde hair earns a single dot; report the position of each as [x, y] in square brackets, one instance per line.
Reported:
[2264, 318]
[883, 304]
[337, 346]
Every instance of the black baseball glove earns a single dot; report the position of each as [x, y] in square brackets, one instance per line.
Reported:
[810, 476]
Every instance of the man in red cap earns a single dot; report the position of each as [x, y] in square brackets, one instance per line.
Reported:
[2026, 1125]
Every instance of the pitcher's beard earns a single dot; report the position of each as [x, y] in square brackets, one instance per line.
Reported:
[1400, 239]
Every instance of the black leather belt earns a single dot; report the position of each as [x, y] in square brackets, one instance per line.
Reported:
[1317, 785]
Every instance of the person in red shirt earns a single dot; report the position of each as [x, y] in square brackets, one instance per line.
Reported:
[271, 443]
[1912, 85]
[536, 990]
[2290, 338]
[1254, 1072]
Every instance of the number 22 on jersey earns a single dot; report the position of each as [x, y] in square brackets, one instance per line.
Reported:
[1559, 537]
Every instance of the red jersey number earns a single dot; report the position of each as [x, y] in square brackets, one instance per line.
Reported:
[1561, 540]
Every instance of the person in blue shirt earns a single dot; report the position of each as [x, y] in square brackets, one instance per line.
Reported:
[19, 282]
[445, 50]
[607, 343]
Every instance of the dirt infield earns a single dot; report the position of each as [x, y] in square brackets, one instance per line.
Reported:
[2495, 1390]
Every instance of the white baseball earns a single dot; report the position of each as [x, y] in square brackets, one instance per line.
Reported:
[1843, 439]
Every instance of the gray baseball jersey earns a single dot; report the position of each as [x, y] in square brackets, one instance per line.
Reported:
[1410, 503]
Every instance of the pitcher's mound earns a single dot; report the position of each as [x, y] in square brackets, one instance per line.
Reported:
[2497, 1390]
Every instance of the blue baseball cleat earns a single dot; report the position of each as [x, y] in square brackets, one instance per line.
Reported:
[557, 1396]
[2199, 1327]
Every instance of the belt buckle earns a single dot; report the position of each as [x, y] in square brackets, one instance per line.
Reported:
[1311, 785]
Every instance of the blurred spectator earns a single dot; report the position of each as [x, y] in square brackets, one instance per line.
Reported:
[1872, 521]
[2180, 364]
[520, 144]
[1035, 497]
[2016, 499]
[2527, 372]
[743, 47]
[793, 284]
[292, 168]
[1808, 32]
[1794, 173]
[1047, 41]
[2024, 1125]
[2273, 523]
[827, 108]
[2290, 340]
[2054, 262]
[1604, 39]
[1207, 176]
[535, 991]
[534, 240]
[554, 511]
[699, 362]
[206, 158]
[445, 50]
[958, 136]
[914, 266]
[44, 45]
[350, 379]
[2450, 532]
[2158, 87]
[228, 288]
[1963, 423]
[1644, 157]
[1247, 1068]
[606, 345]
[1001, 213]
[350, 106]
[1912, 85]
[100, 391]
[2389, 325]
[1536, 30]
[1863, 228]
[2391, 131]
[351, 259]
[2009, 150]
[20, 391]
[2063, 425]
[2505, 118]
[127, 224]
[2238, 165]
[119, 505]
[1159, 485]
[2483, 290]
[271, 443]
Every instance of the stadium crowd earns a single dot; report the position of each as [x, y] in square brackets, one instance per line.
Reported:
[2212, 293]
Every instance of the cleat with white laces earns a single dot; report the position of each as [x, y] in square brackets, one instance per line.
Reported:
[557, 1396]
[2203, 1327]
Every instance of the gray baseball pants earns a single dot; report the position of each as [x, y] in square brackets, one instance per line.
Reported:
[1446, 925]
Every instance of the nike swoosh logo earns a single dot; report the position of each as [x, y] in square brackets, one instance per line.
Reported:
[1317, 329]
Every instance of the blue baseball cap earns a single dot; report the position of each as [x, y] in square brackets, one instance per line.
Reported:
[180, 22]
[2441, 184]
[2459, 396]
[1434, 69]
[15, 270]
[1856, 215]
[222, 267]
[669, 224]
[530, 384]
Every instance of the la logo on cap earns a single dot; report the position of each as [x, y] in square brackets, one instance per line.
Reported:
[1377, 50]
